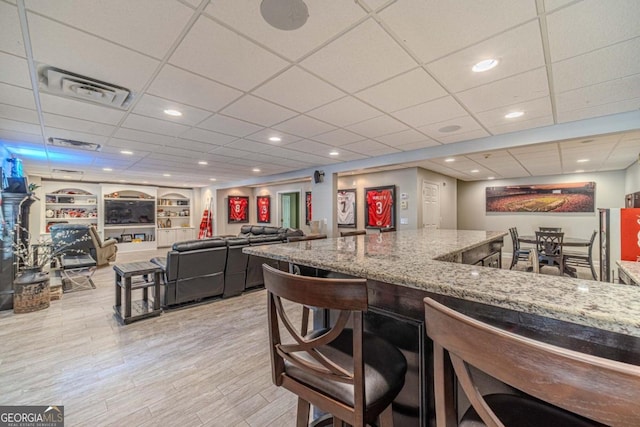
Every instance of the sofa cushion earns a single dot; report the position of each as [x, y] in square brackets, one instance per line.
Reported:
[271, 230]
[261, 240]
[257, 230]
[245, 229]
[191, 245]
[237, 241]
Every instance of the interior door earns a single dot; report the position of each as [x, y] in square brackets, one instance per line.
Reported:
[290, 210]
[430, 205]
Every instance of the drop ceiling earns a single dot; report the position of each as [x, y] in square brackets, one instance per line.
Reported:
[367, 78]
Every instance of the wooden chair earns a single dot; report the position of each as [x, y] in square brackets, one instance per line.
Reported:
[581, 259]
[598, 389]
[352, 233]
[519, 254]
[346, 372]
[550, 251]
[551, 229]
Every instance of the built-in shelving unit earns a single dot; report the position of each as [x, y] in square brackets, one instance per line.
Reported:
[78, 204]
[174, 214]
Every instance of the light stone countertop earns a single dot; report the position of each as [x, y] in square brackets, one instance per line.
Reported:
[408, 258]
[632, 269]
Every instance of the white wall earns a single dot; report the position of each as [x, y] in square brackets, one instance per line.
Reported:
[472, 214]
[632, 178]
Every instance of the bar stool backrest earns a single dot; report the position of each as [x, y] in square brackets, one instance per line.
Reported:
[600, 389]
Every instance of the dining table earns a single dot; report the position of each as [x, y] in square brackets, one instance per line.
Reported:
[566, 241]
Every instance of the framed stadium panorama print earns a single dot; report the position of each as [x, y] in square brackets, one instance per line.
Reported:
[347, 208]
[381, 203]
[264, 208]
[238, 209]
[307, 207]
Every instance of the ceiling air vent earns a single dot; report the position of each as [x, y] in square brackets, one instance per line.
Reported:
[67, 172]
[78, 145]
[64, 83]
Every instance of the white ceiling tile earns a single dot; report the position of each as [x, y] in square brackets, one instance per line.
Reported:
[229, 125]
[599, 110]
[136, 146]
[153, 106]
[73, 124]
[532, 109]
[467, 124]
[348, 156]
[417, 145]
[434, 29]
[465, 136]
[326, 19]
[298, 90]
[313, 147]
[522, 87]
[345, 112]
[517, 51]
[192, 145]
[403, 138]
[229, 59]
[15, 126]
[600, 94]
[595, 67]
[376, 57]
[148, 137]
[551, 5]
[591, 24]
[264, 135]
[304, 126]
[51, 132]
[368, 147]
[251, 146]
[258, 111]
[14, 70]
[378, 126]
[80, 109]
[18, 113]
[10, 32]
[338, 137]
[431, 112]
[191, 89]
[147, 124]
[412, 88]
[17, 96]
[208, 137]
[72, 50]
[148, 26]
[522, 125]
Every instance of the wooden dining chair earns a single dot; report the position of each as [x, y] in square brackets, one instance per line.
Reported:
[550, 250]
[563, 387]
[581, 259]
[519, 254]
[344, 371]
[551, 229]
[352, 233]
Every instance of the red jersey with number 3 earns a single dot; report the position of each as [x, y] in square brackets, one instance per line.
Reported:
[238, 209]
[263, 209]
[380, 204]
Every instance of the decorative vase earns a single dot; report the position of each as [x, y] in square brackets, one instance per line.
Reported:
[31, 290]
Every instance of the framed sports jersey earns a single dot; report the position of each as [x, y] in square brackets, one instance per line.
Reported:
[238, 209]
[347, 208]
[381, 206]
[307, 214]
[264, 208]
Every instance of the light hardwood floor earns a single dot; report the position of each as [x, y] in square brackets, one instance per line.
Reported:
[205, 365]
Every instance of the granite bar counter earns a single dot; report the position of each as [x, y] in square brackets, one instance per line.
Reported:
[629, 272]
[403, 267]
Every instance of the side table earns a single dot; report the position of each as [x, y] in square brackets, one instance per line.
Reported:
[136, 310]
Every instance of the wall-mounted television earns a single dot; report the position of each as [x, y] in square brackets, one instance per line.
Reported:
[129, 212]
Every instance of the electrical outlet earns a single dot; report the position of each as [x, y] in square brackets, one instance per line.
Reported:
[404, 221]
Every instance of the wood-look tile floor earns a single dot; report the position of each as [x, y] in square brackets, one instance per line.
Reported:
[205, 365]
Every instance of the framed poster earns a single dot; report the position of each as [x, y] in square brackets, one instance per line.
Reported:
[264, 208]
[307, 214]
[238, 208]
[347, 208]
[381, 206]
[542, 198]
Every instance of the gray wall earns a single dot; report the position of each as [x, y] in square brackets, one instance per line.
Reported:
[472, 216]
[632, 178]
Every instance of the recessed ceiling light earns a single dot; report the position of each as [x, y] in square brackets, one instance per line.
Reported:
[126, 152]
[171, 112]
[450, 159]
[212, 179]
[275, 139]
[514, 114]
[451, 128]
[166, 174]
[579, 170]
[203, 162]
[475, 170]
[491, 177]
[485, 65]
[66, 176]
[122, 180]
[256, 170]
[145, 182]
[334, 153]
[107, 169]
[582, 160]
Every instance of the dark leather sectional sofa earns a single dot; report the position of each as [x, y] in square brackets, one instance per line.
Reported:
[214, 267]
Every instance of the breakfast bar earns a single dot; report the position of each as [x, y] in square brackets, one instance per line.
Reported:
[450, 266]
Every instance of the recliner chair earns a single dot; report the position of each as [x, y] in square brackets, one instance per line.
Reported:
[105, 251]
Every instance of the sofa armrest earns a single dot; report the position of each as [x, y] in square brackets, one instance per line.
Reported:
[109, 242]
[160, 261]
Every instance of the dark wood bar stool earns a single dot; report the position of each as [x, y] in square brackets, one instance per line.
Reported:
[519, 254]
[581, 259]
[564, 387]
[352, 233]
[346, 372]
